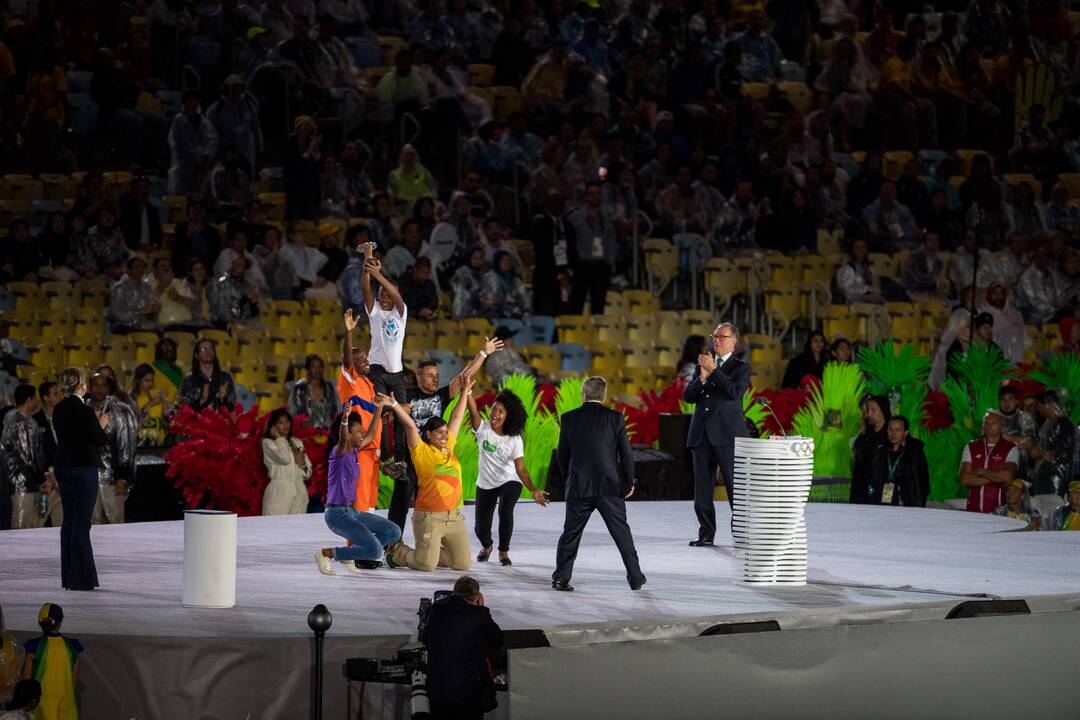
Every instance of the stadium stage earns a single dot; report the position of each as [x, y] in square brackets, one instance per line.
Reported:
[149, 657]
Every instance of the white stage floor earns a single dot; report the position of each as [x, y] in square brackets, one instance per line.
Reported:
[859, 556]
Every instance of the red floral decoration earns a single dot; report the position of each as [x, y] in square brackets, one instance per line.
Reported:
[938, 414]
[218, 462]
[644, 422]
[785, 403]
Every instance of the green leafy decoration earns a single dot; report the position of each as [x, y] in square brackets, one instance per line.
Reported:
[890, 367]
[1061, 372]
[943, 450]
[971, 391]
[982, 368]
[831, 416]
[753, 412]
[568, 395]
[900, 373]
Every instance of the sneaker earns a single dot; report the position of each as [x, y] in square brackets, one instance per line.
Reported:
[390, 562]
[619, 282]
[351, 567]
[324, 563]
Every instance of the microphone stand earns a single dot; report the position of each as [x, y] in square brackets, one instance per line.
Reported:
[764, 402]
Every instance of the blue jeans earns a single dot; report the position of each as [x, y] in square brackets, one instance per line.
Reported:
[368, 532]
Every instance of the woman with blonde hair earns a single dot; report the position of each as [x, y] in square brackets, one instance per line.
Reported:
[80, 438]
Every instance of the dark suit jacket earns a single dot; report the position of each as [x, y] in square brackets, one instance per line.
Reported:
[48, 442]
[542, 235]
[594, 453]
[460, 639]
[79, 436]
[718, 404]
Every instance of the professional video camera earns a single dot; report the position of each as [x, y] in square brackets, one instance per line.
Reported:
[409, 666]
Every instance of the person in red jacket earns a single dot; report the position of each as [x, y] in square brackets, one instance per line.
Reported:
[987, 465]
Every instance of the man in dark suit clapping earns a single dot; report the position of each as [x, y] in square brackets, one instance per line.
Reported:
[717, 392]
[594, 457]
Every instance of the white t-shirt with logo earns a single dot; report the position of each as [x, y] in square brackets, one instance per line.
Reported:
[497, 456]
[387, 337]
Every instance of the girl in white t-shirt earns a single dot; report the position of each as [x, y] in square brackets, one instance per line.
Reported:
[502, 470]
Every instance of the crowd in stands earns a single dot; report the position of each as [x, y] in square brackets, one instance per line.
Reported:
[197, 171]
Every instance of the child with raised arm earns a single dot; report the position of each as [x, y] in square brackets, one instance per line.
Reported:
[368, 533]
[502, 470]
[438, 525]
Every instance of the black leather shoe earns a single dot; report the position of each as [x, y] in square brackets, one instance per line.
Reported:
[638, 586]
[701, 542]
[562, 586]
[369, 564]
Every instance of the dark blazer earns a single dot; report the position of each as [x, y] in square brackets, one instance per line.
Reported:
[79, 437]
[542, 236]
[48, 442]
[718, 404]
[912, 476]
[594, 453]
[460, 639]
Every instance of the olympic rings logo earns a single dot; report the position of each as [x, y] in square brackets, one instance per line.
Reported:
[804, 449]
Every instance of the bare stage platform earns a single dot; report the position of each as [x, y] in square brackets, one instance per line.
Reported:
[149, 657]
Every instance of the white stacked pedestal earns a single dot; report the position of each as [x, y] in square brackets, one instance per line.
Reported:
[209, 559]
[771, 486]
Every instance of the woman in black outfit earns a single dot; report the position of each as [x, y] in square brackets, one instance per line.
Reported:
[810, 362]
[80, 437]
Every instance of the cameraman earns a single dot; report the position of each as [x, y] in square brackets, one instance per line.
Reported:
[460, 639]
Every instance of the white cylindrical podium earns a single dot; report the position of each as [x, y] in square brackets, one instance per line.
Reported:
[209, 559]
[771, 485]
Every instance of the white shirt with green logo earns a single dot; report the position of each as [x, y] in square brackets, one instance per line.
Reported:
[497, 456]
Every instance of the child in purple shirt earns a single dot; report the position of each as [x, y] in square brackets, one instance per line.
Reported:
[368, 532]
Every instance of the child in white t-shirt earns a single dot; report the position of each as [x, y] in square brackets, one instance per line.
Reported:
[502, 470]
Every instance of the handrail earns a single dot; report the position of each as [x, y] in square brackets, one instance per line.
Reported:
[636, 268]
[411, 118]
[817, 286]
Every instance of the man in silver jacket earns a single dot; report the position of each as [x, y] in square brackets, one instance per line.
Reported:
[117, 473]
[24, 463]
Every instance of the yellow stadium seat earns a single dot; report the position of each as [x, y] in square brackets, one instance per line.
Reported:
[61, 295]
[608, 328]
[641, 327]
[661, 264]
[176, 208]
[894, 162]
[28, 296]
[755, 90]
[480, 75]
[607, 357]
[543, 357]
[641, 301]
[616, 303]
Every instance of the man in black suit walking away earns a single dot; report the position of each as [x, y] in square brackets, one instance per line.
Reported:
[594, 457]
[717, 392]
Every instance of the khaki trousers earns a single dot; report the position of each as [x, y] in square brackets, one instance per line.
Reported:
[25, 513]
[109, 508]
[441, 540]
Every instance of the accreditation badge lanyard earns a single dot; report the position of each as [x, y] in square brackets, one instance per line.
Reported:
[890, 487]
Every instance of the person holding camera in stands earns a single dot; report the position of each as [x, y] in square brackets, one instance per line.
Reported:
[461, 637]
